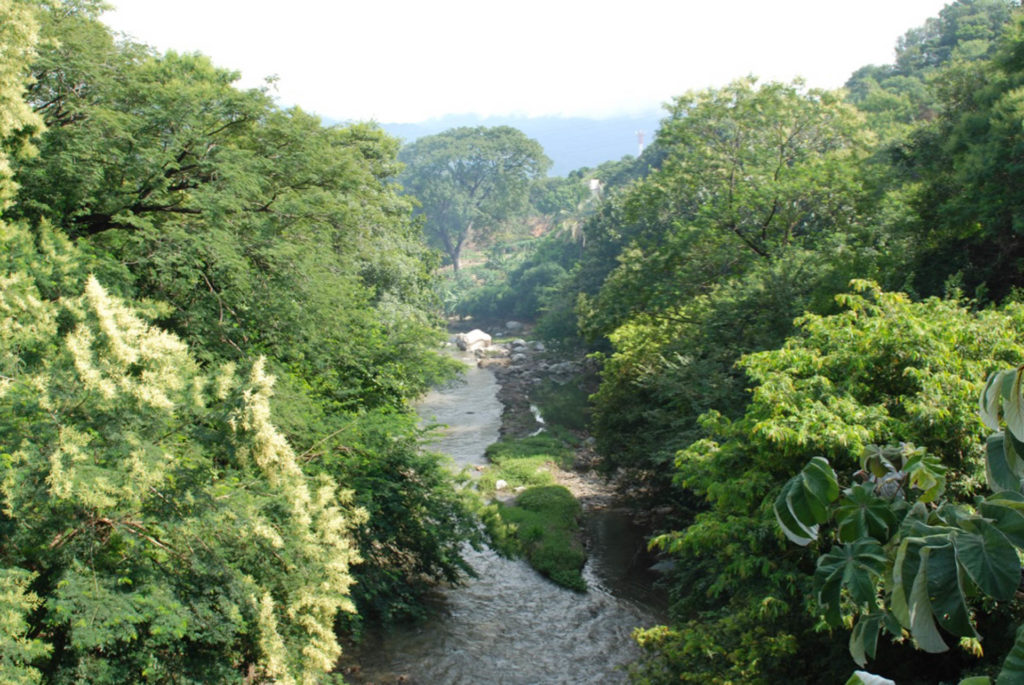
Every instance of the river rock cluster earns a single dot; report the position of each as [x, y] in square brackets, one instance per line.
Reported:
[520, 365]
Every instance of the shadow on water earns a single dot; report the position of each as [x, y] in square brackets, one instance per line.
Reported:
[509, 625]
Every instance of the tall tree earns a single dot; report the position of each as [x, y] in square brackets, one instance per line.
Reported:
[468, 180]
[250, 230]
[754, 214]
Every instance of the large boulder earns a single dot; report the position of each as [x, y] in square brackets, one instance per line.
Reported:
[472, 341]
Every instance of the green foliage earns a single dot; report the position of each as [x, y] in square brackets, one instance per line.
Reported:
[896, 96]
[167, 520]
[884, 369]
[417, 521]
[226, 203]
[940, 554]
[545, 520]
[468, 180]
[954, 169]
[156, 524]
[17, 650]
[754, 215]
[669, 369]
[516, 290]
[18, 35]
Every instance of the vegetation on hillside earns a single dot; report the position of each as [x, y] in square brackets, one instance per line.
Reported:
[786, 274]
[215, 314]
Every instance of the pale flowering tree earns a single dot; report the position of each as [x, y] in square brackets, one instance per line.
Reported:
[169, 523]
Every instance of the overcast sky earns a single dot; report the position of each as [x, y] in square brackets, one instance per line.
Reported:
[410, 60]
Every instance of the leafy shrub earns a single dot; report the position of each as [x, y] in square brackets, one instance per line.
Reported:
[885, 369]
[545, 521]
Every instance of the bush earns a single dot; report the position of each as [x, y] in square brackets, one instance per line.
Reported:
[546, 522]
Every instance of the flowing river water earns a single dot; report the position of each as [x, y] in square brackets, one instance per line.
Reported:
[510, 625]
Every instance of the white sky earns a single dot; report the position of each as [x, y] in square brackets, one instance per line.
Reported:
[398, 61]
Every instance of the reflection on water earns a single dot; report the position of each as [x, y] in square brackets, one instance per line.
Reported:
[471, 411]
[509, 625]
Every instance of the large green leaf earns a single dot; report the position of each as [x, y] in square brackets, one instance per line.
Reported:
[988, 557]
[820, 487]
[794, 529]
[946, 593]
[1013, 401]
[1013, 667]
[861, 514]
[922, 616]
[857, 566]
[1006, 510]
[1002, 465]
[864, 637]
[804, 500]
[904, 569]
[989, 400]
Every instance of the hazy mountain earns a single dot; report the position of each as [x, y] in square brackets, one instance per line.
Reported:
[571, 143]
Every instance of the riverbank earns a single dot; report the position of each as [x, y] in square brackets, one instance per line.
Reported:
[505, 623]
[533, 382]
[522, 368]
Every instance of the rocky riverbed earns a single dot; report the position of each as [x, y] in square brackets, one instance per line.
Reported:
[521, 367]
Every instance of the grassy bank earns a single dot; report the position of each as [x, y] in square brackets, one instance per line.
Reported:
[542, 523]
[525, 461]
[546, 530]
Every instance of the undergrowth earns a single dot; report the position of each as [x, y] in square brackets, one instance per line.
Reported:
[542, 523]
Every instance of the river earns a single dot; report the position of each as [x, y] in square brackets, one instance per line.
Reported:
[509, 625]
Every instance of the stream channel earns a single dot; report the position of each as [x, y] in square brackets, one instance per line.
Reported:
[509, 625]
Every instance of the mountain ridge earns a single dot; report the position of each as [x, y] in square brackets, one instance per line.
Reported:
[570, 142]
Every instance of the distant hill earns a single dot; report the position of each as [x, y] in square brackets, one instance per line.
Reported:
[571, 143]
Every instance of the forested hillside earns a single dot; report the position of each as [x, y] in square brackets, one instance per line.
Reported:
[790, 273]
[215, 314]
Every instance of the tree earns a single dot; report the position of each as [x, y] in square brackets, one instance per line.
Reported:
[247, 232]
[893, 522]
[165, 521]
[767, 165]
[18, 35]
[755, 214]
[883, 370]
[154, 523]
[468, 180]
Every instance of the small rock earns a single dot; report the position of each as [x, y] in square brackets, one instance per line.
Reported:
[519, 488]
[539, 346]
[518, 342]
[564, 368]
[513, 326]
[518, 358]
[664, 566]
[500, 484]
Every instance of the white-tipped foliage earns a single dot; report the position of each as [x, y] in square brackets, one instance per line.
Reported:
[164, 504]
